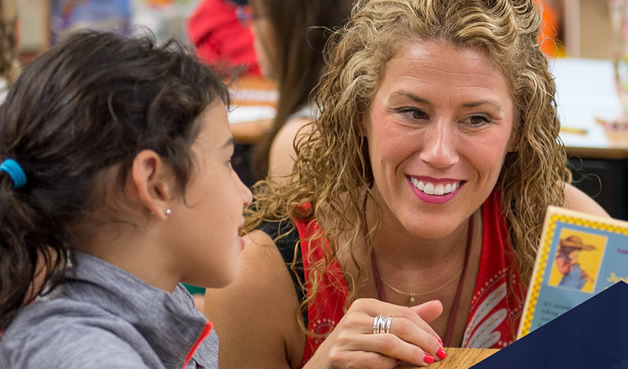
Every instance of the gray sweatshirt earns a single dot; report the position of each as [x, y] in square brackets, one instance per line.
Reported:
[103, 317]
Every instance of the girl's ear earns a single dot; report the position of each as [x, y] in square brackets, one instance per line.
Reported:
[150, 181]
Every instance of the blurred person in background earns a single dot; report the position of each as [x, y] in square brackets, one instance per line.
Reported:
[289, 39]
[220, 37]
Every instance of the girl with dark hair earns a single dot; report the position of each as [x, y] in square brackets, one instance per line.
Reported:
[115, 186]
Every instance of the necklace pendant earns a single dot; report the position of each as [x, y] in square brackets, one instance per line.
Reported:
[412, 299]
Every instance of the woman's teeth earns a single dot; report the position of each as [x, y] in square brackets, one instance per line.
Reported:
[432, 189]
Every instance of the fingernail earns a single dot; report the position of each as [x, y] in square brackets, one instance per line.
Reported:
[441, 353]
[439, 340]
[429, 359]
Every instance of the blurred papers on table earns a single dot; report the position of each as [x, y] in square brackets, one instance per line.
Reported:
[589, 108]
[253, 103]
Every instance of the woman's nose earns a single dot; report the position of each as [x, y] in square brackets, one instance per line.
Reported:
[440, 145]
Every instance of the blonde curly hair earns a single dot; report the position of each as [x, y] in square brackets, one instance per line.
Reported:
[333, 163]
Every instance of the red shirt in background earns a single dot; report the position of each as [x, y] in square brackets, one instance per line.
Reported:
[220, 38]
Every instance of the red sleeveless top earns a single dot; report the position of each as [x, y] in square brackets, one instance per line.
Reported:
[495, 311]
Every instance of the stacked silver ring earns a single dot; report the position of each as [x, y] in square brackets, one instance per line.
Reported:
[381, 324]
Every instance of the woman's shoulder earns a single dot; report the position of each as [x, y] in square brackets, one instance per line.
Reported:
[577, 200]
[282, 154]
[269, 247]
[256, 312]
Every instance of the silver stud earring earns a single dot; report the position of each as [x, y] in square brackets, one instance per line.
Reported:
[167, 211]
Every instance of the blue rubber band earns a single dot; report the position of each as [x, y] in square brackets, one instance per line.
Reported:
[15, 171]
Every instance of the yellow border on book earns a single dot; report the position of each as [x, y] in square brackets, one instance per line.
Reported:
[553, 215]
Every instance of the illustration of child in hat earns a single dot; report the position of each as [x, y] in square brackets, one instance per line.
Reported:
[567, 262]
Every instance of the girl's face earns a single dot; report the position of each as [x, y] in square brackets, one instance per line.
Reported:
[205, 225]
[438, 131]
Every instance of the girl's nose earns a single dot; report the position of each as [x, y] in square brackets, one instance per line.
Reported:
[247, 196]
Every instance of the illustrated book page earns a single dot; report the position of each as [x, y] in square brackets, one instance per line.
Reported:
[579, 256]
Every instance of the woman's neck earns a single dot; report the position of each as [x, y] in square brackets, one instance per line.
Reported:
[398, 249]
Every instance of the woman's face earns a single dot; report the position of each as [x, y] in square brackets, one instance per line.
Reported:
[439, 128]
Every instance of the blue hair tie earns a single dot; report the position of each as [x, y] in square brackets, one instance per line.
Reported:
[15, 171]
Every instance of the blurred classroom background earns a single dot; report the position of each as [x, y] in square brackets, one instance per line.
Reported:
[577, 37]
[582, 27]
[43, 21]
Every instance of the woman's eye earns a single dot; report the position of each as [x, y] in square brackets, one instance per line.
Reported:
[478, 120]
[414, 113]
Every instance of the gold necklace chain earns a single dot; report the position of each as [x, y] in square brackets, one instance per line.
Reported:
[413, 295]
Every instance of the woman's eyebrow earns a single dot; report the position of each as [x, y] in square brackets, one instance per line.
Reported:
[410, 96]
[474, 104]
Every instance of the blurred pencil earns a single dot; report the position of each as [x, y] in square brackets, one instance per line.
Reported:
[573, 130]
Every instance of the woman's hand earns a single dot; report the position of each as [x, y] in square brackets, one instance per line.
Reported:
[352, 344]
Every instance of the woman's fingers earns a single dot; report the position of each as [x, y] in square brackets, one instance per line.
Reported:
[391, 345]
[429, 311]
[405, 328]
[407, 325]
[361, 360]
[362, 340]
[373, 308]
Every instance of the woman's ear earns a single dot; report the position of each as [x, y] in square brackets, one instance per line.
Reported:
[150, 181]
[513, 142]
[362, 124]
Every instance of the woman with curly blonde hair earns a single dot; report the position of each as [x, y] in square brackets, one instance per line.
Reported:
[411, 220]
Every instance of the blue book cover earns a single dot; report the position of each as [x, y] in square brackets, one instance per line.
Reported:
[579, 256]
[591, 335]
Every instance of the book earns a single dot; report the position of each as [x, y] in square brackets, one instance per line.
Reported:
[579, 255]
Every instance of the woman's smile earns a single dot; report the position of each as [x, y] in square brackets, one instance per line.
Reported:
[438, 132]
[435, 191]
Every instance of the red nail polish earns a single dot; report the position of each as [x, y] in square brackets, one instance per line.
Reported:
[441, 353]
[429, 359]
[439, 341]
